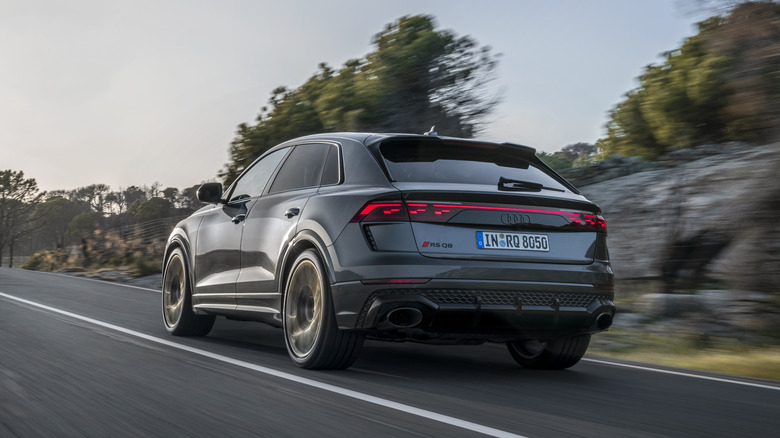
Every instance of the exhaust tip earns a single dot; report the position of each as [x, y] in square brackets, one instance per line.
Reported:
[604, 321]
[404, 317]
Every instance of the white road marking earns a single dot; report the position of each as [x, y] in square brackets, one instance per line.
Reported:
[452, 421]
[680, 373]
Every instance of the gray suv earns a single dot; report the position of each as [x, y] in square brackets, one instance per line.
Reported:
[340, 237]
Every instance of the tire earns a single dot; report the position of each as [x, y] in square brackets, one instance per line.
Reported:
[311, 334]
[178, 316]
[553, 354]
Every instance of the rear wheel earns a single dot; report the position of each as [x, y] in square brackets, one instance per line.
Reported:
[553, 354]
[311, 334]
[178, 316]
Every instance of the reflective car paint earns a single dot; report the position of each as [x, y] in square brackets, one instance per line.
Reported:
[240, 252]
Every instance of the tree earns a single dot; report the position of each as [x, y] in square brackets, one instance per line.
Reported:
[171, 194]
[573, 155]
[189, 198]
[18, 198]
[555, 160]
[85, 224]
[628, 133]
[84, 227]
[94, 195]
[720, 85]
[153, 190]
[749, 39]
[415, 78]
[426, 77]
[579, 150]
[132, 194]
[54, 194]
[155, 208]
[115, 202]
[55, 216]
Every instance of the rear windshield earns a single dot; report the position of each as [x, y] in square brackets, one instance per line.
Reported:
[436, 161]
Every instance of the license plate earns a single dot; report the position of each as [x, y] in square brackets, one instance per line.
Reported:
[514, 241]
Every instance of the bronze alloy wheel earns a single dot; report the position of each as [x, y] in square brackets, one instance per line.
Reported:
[303, 315]
[313, 338]
[179, 317]
[174, 287]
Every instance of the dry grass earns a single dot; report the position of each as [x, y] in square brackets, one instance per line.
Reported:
[760, 363]
[729, 356]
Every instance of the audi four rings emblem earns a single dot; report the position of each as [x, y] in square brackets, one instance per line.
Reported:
[515, 219]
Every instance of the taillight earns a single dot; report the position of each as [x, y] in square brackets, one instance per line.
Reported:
[382, 212]
[588, 222]
[398, 211]
[432, 212]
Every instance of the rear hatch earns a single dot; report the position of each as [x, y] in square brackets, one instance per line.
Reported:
[485, 201]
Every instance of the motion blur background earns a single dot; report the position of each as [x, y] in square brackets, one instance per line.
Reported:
[683, 164]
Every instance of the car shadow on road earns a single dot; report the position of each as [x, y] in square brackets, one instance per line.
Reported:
[380, 360]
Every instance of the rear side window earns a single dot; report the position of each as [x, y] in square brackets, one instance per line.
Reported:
[439, 162]
[303, 168]
[330, 174]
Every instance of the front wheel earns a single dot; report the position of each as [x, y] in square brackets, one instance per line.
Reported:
[178, 316]
[553, 354]
[311, 334]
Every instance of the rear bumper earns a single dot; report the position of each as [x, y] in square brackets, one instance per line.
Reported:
[473, 310]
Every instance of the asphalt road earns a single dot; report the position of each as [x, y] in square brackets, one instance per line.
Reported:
[83, 358]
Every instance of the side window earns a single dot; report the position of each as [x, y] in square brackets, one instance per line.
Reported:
[302, 169]
[253, 181]
[330, 174]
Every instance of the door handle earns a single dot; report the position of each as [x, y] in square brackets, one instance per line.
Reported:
[238, 218]
[295, 211]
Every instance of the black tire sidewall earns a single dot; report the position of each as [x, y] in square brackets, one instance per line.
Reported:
[557, 354]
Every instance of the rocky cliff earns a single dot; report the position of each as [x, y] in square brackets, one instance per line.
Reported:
[708, 217]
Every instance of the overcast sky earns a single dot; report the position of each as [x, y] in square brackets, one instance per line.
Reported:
[132, 92]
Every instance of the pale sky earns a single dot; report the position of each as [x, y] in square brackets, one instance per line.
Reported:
[131, 92]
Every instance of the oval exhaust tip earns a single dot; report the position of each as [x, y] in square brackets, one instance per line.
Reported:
[405, 317]
[604, 321]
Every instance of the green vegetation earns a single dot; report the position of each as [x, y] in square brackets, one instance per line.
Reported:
[143, 268]
[415, 78]
[721, 85]
[155, 208]
[18, 198]
[91, 226]
[573, 155]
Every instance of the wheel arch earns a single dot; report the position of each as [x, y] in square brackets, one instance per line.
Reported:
[179, 240]
[301, 242]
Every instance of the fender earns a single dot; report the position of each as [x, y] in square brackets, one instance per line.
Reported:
[312, 239]
[178, 238]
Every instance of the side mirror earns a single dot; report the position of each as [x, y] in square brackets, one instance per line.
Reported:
[210, 193]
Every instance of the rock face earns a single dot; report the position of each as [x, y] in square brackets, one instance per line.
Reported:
[696, 217]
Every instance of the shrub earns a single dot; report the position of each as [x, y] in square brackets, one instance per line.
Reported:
[144, 267]
[47, 261]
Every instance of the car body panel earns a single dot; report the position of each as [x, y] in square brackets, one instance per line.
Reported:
[267, 232]
[217, 255]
